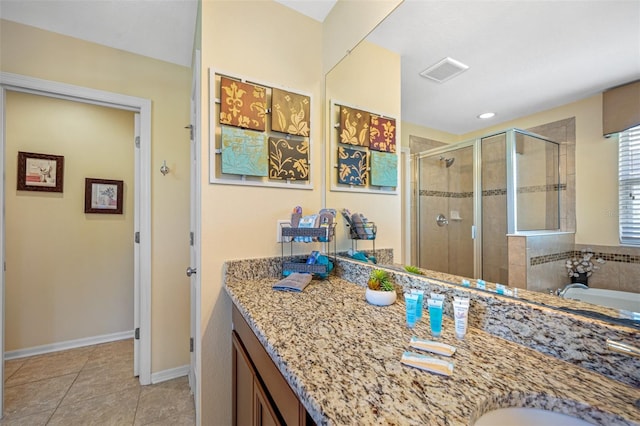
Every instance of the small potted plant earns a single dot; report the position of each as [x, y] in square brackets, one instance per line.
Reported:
[413, 270]
[580, 268]
[380, 290]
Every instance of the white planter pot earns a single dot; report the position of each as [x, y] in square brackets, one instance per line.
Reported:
[380, 298]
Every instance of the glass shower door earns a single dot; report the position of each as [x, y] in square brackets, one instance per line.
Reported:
[445, 211]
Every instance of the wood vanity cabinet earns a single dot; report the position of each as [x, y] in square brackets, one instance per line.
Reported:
[261, 395]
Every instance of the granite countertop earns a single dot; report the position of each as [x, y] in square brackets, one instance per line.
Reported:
[341, 356]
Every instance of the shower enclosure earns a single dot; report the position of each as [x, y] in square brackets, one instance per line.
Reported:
[471, 195]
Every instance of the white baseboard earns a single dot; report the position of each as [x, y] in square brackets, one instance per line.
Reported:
[69, 344]
[172, 373]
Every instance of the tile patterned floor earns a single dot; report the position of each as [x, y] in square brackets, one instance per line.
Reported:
[93, 385]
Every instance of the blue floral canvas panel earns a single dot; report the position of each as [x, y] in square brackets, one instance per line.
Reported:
[244, 152]
[288, 159]
[384, 169]
[352, 166]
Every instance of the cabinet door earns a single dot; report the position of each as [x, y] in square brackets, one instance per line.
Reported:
[264, 414]
[243, 378]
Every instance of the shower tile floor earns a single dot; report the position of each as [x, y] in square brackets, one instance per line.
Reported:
[93, 385]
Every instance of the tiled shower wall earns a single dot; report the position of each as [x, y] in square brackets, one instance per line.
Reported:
[564, 133]
[536, 262]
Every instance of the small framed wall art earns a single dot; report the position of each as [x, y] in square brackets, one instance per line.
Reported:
[103, 196]
[40, 172]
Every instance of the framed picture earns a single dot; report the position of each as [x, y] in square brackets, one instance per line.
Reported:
[103, 196]
[40, 172]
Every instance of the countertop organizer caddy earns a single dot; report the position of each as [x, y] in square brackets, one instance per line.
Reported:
[360, 228]
[312, 228]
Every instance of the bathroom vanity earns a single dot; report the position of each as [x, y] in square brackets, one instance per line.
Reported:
[326, 356]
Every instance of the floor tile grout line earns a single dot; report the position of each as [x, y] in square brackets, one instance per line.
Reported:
[70, 386]
[135, 413]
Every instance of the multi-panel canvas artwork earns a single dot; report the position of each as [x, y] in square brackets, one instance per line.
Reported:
[244, 152]
[242, 104]
[352, 166]
[384, 169]
[288, 159]
[354, 126]
[290, 113]
[382, 134]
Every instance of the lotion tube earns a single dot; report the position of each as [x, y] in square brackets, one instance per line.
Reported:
[435, 316]
[411, 304]
[460, 314]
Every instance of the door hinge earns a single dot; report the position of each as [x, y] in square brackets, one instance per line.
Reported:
[136, 334]
[191, 344]
[137, 141]
[136, 237]
[191, 238]
[190, 127]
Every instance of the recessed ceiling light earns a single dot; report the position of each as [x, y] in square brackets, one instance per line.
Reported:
[486, 115]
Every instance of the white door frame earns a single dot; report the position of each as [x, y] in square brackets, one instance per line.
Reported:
[194, 226]
[141, 106]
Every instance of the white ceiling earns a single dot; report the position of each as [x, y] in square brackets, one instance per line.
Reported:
[524, 56]
[160, 29]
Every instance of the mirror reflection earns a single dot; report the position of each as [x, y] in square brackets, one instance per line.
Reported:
[499, 203]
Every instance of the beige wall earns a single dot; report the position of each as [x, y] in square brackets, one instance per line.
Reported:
[356, 82]
[69, 274]
[347, 23]
[270, 43]
[411, 129]
[36, 53]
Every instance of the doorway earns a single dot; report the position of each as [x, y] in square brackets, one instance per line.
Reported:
[142, 197]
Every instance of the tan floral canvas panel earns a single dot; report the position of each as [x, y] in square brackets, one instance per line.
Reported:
[382, 134]
[242, 104]
[290, 113]
[354, 126]
[288, 159]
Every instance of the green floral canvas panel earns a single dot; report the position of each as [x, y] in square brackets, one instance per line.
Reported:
[242, 104]
[384, 169]
[382, 134]
[290, 113]
[244, 152]
[352, 166]
[354, 126]
[288, 159]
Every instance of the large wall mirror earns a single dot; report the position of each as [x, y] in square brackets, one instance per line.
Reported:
[524, 60]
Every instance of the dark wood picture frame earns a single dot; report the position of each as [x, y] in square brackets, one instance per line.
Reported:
[101, 194]
[40, 172]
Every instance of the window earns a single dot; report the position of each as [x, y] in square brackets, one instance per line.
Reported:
[629, 186]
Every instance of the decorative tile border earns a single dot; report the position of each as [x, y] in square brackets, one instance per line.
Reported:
[608, 257]
[445, 194]
[492, 192]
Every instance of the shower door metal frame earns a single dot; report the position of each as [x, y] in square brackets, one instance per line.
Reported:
[476, 231]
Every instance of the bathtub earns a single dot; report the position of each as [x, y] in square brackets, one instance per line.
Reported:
[610, 298]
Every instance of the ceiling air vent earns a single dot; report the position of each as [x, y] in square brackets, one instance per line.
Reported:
[444, 70]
